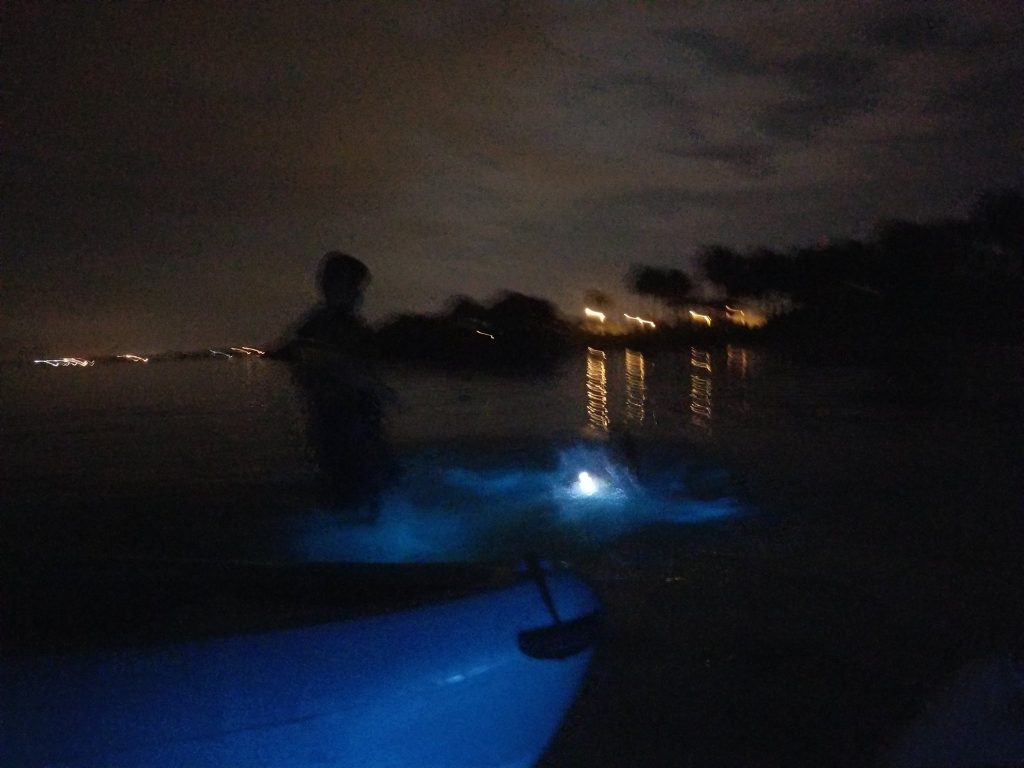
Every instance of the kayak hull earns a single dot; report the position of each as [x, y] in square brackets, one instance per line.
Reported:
[447, 683]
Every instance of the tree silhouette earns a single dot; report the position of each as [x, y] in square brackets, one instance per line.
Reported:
[517, 312]
[770, 272]
[909, 277]
[998, 217]
[672, 287]
[725, 267]
[597, 298]
[463, 309]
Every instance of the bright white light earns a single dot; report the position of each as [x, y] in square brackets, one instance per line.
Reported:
[599, 316]
[586, 484]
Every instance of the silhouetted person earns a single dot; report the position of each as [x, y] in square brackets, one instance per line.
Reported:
[330, 357]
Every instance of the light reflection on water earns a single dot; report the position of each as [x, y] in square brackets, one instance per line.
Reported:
[700, 388]
[597, 390]
[636, 388]
[737, 360]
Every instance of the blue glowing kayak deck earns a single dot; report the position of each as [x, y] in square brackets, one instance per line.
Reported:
[240, 664]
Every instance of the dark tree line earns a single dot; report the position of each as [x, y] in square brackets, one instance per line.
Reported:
[962, 273]
[513, 333]
[672, 287]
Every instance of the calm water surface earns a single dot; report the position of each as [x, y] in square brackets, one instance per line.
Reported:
[794, 554]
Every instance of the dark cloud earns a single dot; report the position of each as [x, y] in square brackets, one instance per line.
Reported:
[909, 29]
[825, 85]
[992, 96]
[752, 159]
[662, 202]
[658, 95]
[668, 201]
[829, 87]
[718, 54]
[823, 73]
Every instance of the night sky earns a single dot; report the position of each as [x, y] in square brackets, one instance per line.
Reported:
[172, 172]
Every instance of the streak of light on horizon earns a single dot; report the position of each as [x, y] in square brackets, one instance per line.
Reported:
[65, 362]
[643, 323]
[752, 319]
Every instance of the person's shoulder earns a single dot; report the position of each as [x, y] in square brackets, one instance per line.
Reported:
[315, 325]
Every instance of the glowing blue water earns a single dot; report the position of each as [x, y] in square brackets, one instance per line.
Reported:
[440, 512]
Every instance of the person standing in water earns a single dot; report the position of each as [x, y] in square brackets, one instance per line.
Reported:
[330, 356]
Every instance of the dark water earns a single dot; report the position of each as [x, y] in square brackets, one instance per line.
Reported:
[795, 555]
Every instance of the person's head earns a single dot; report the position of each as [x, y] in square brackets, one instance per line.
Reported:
[343, 279]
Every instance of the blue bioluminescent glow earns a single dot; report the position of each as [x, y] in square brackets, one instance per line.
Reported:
[442, 511]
